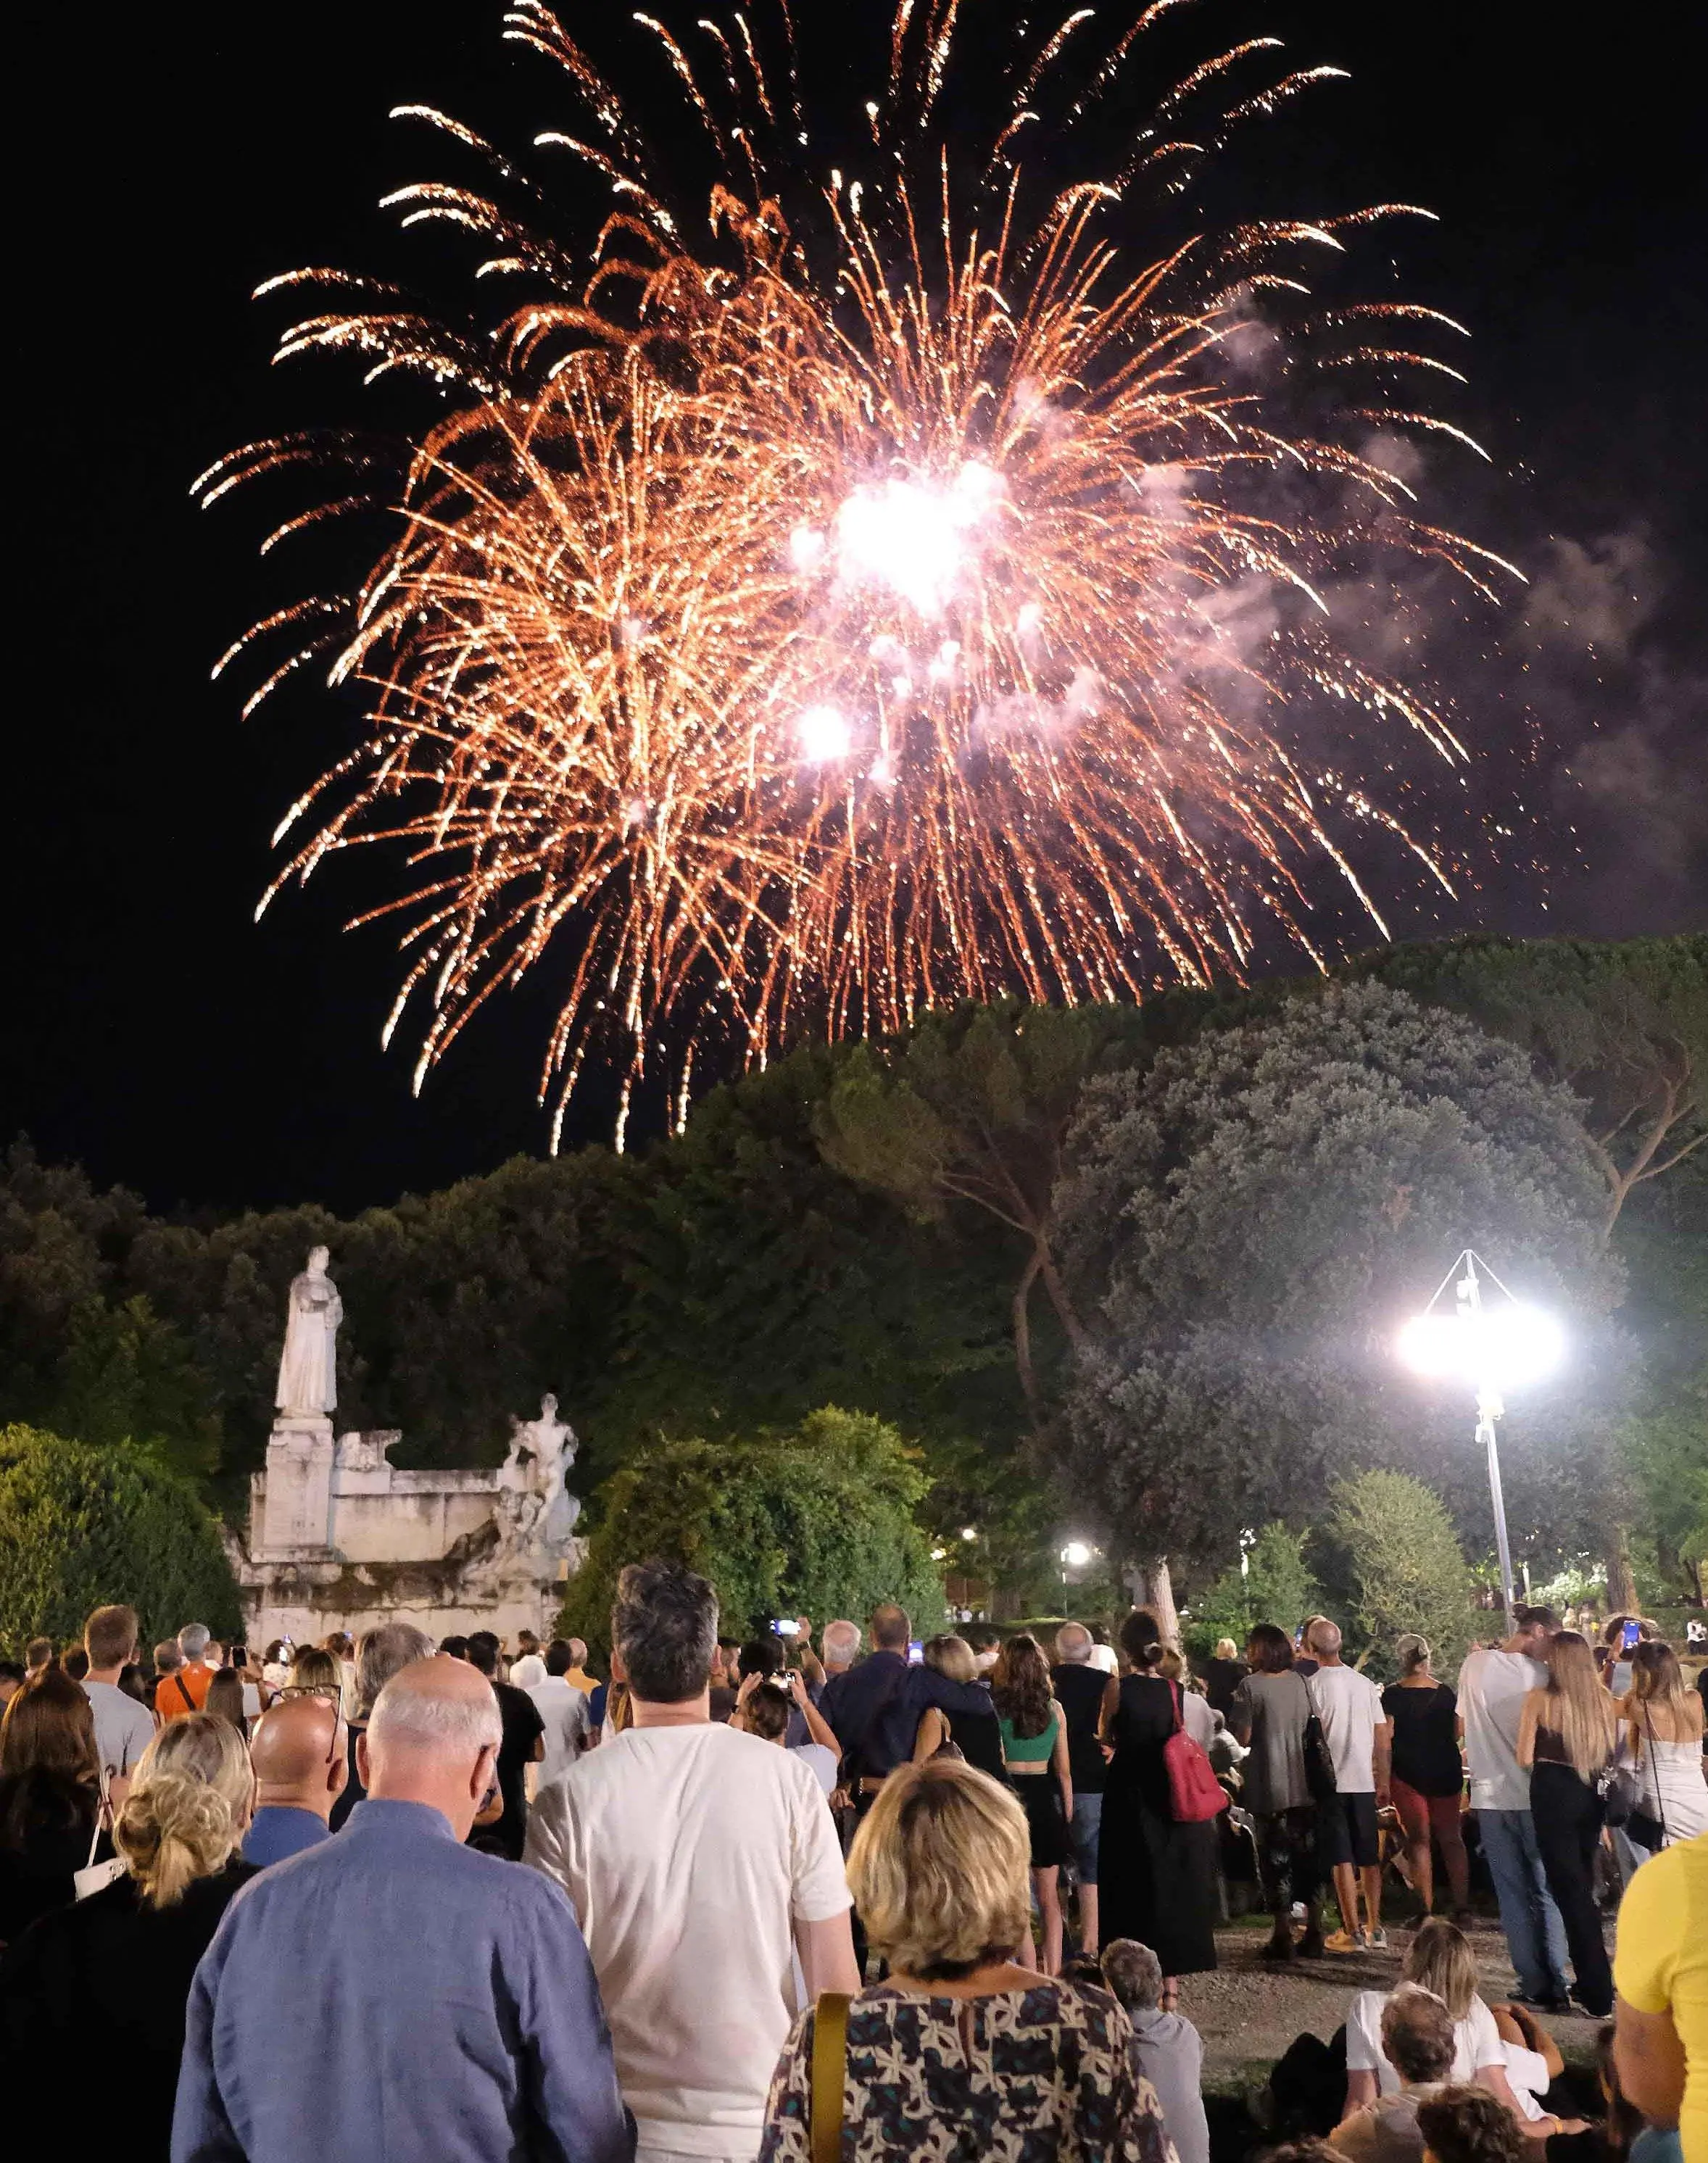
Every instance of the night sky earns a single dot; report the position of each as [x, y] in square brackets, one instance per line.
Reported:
[153, 1032]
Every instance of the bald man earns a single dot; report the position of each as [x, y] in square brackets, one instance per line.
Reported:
[390, 1994]
[297, 1752]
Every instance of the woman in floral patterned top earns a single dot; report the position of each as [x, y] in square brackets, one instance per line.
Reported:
[962, 2054]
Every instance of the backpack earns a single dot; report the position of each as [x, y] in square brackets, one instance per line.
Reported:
[1195, 1794]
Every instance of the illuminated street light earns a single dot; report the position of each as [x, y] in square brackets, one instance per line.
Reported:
[1492, 1349]
[1076, 1554]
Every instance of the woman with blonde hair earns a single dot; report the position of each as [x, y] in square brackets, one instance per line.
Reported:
[1439, 1959]
[959, 2036]
[1567, 1732]
[1663, 1746]
[976, 1736]
[114, 1973]
[314, 1672]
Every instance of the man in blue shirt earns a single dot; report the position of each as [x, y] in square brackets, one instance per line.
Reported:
[390, 1995]
[874, 1709]
[298, 1755]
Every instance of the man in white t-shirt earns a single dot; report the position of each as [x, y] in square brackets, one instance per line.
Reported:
[700, 1860]
[1492, 1686]
[1358, 1735]
[562, 1706]
[123, 1729]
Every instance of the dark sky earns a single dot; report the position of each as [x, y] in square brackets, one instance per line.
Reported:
[155, 1033]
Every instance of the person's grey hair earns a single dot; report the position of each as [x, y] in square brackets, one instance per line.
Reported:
[1413, 1652]
[1133, 1973]
[380, 1652]
[577, 1652]
[841, 1641]
[1324, 1636]
[193, 1640]
[664, 1625]
[458, 1725]
[1073, 1643]
[1417, 2034]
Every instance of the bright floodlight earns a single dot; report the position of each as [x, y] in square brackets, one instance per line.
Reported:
[1498, 1348]
[1076, 1554]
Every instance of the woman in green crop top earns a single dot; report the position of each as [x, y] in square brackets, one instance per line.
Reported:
[1035, 1750]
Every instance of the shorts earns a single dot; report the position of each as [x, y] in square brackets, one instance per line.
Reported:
[1346, 1832]
[1082, 1829]
[1041, 1797]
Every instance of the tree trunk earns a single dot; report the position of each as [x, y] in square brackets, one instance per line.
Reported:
[1621, 1580]
[1071, 1325]
[1023, 1337]
[1152, 1588]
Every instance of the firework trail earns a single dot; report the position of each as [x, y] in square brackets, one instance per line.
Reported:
[827, 595]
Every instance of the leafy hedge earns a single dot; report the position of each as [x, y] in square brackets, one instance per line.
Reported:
[79, 1527]
[816, 1522]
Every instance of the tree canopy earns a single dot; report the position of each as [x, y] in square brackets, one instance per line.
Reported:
[1401, 1569]
[876, 1226]
[82, 1527]
[1277, 1585]
[1623, 1023]
[1248, 1224]
[819, 1521]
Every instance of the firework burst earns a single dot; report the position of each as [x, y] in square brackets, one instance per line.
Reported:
[850, 610]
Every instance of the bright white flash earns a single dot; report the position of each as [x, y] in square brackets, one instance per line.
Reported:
[914, 537]
[823, 735]
[1501, 1347]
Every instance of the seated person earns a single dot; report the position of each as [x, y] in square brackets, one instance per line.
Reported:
[1417, 2042]
[1439, 1959]
[1165, 2049]
[1469, 2125]
[1610, 2140]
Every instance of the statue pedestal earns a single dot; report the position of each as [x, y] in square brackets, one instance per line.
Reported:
[298, 1518]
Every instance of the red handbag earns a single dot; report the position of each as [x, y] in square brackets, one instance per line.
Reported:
[1195, 1794]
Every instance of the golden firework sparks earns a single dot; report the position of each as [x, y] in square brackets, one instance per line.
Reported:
[782, 636]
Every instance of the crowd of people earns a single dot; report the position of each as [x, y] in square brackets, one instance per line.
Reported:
[866, 1899]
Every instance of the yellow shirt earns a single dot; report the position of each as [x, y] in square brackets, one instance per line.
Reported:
[1661, 1966]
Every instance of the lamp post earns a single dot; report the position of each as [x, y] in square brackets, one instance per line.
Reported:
[1493, 1349]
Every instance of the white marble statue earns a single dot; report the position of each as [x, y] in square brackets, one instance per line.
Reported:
[307, 1370]
[541, 1453]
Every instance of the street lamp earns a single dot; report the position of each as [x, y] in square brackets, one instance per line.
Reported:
[1493, 1348]
[1074, 1556]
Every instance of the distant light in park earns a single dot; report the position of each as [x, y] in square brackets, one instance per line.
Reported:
[1076, 1554]
[1498, 1348]
[969, 1533]
[939, 1553]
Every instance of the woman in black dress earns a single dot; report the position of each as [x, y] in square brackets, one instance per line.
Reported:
[1156, 1880]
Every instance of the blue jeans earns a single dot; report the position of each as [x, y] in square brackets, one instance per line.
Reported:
[1083, 1835]
[1535, 1934]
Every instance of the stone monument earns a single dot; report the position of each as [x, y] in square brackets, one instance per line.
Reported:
[339, 1538]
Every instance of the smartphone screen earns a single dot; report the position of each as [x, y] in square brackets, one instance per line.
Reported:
[916, 1651]
[1632, 1635]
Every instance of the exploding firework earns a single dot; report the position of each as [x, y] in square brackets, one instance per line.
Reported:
[897, 593]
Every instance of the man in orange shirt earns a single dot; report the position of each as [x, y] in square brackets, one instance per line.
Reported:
[185, 1688]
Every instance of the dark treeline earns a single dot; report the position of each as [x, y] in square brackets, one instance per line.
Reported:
[856, 1228]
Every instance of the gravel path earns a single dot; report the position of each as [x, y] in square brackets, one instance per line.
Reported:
[1249, 2010]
